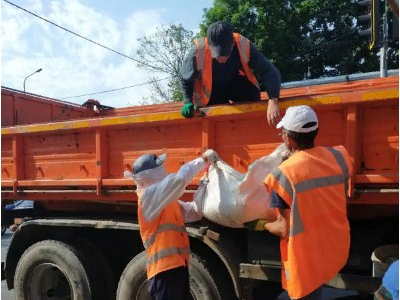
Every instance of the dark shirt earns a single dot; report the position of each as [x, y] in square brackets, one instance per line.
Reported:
[277, 201]
[228, 79]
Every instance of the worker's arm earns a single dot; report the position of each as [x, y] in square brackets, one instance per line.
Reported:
[269, 75]
[280, 226]
[157, 196]
[189, 212]
[382, 294]
[187, 74]
[273, 111]
[390, 284]
[270, 80]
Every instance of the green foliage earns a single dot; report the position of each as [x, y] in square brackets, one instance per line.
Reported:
[297, 36]
[163, 52]
[300, 35]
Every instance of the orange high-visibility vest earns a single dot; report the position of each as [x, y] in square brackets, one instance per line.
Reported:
[165, 239]
[314, 183]
[203, 84]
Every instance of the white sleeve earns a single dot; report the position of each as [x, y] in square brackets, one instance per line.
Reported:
[189, 213]
[158, 195]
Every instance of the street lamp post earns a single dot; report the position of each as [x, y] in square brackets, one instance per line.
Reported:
[37, 71]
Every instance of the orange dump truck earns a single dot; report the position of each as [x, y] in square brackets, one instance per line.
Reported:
[70, 159]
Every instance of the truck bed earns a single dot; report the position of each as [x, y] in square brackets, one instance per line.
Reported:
[81, 156]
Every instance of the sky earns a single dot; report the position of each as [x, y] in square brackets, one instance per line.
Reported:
[72, 66]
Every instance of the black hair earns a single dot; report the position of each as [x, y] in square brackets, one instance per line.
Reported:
[304, 140]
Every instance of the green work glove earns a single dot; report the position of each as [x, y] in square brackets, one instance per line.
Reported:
[257, 225]
[187, 110]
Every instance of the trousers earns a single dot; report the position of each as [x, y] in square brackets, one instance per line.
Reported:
[315, 295]
[172, 284]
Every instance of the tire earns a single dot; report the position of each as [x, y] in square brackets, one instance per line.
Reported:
[203, 283]
[103, 276]
[133, 282]
[52, 270]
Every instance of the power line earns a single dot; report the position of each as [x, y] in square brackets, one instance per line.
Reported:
[96, 43]
[76, 34]
[113, 90]
[333, 40]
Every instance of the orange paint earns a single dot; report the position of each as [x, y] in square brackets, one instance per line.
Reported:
[77, 154]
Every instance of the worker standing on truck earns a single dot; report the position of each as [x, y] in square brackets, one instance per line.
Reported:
[308, 191]
[162, 222]
[222, 69]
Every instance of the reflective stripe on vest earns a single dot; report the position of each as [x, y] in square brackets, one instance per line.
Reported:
[310, 184]
[342, 163]
[243, 45]
[165, 239]
[200, 54]
[162, 228]
[318, 242]
[167, 252]
[203, 84]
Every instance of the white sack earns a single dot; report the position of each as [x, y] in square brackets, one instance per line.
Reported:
[230, 198]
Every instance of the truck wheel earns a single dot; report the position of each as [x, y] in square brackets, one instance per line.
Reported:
[203, 285]
[133, 282]
[52, 270]
[208, 282]
[100, 267]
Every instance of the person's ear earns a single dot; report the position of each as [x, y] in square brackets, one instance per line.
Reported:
[291, 143]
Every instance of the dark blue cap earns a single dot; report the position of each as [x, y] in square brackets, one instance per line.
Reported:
[220, 38]
[148, 161]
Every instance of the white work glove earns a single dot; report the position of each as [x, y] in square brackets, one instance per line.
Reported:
[210, 156]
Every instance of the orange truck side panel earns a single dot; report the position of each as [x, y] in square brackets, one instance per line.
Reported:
[19, 108]
[84, 158]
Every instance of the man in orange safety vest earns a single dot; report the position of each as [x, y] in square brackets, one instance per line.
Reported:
[162, 220]
[221, 69]
[308, 192]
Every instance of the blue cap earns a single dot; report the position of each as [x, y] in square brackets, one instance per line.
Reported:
[148, 161]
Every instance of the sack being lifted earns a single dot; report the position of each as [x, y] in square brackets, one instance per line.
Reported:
[230, 198]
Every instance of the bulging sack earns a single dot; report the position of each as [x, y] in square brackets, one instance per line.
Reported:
[230, 198]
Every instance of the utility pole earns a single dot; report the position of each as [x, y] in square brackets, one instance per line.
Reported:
[384, 48]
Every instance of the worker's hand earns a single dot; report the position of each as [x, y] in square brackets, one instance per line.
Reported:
[280, 226]
[198, 112]
[257, 225]
[128, 174]
[273, 111]
[210, 156]
[382, 294]
[187, 110]
[204, 179]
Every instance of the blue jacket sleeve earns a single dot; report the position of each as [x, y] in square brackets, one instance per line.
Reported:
[187, 74]
[268, 75]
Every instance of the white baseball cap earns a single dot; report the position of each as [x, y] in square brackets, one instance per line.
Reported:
[296, 117]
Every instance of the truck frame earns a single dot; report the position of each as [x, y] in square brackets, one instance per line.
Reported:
[82, 238]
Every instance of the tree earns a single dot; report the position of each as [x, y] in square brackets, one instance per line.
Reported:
[164, 52]
[300, 35]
